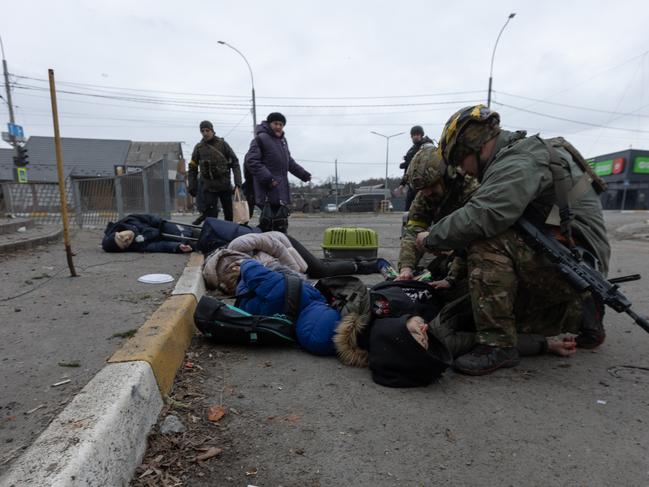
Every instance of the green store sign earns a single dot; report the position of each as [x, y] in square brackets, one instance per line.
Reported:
[603, 168]
[641, 165]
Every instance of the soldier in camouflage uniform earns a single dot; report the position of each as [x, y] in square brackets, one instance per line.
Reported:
[440, 190]
[212, 161]
[513, 288]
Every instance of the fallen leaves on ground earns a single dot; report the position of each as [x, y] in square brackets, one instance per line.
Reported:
[170, 459]
[215, 413]
[208, 453]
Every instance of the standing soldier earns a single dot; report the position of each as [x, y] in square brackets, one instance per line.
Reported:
[513, 288]
[214, 159]
[419, 140]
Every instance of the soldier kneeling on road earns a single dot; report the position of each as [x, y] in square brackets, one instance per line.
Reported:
[513, 288]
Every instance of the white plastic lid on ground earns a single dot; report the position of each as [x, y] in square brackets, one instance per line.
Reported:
[155, 278]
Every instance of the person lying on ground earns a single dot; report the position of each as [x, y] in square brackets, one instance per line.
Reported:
[455, 326]
[146, 233]
[278, 252]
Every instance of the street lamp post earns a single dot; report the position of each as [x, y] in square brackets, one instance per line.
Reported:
[493, 54]
[387, 153]
[252, 81]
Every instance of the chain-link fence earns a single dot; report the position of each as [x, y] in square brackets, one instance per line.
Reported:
[93, 202]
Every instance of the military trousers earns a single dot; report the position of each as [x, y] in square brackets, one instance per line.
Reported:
[515, 289]
[211, 203]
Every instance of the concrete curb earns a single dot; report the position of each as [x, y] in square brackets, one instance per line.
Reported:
[32, 242]
[100, 437]
[11, 226]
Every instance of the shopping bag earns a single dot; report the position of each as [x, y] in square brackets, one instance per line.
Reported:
[240, 210]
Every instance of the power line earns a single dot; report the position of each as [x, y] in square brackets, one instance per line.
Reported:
[566, 105]
[364, 97]
[581, 122]
[204, 103]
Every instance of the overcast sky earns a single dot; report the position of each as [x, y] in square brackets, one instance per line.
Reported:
[152, 70]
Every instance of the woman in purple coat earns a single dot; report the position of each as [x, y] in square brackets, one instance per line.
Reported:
[269, 161]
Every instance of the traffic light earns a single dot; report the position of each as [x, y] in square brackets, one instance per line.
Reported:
[21, 158]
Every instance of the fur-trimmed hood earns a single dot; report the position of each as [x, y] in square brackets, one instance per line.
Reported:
[351, 340]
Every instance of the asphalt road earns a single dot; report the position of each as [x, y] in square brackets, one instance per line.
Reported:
[298, 420]
[55, 328]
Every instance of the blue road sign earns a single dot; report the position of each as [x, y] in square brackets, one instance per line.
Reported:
[15, 130]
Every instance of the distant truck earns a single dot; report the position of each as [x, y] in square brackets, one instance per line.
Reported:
[365, 202]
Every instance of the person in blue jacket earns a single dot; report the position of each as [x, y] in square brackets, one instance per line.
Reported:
[262, 291]
[145, 233]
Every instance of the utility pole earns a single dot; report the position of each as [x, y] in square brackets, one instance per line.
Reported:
[336, 166]
[493, 55]
[6, 75]
[387, 154]
[14, 135]
[252, 82]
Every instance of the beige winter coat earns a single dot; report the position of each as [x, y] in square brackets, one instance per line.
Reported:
[271, 249]
[268, 248]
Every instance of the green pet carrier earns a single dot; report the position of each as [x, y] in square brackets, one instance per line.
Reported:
[350, 243]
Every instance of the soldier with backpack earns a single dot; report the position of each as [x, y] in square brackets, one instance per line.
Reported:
[209, 173]
[515, 289]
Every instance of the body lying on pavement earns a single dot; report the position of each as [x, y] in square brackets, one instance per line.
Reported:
[146, 233]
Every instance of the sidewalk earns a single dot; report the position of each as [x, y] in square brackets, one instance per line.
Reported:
[55, 328]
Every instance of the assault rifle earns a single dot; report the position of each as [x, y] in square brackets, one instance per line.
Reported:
[578, 273]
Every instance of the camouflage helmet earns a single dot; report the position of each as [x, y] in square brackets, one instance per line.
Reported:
[468, 129]
[426, 168]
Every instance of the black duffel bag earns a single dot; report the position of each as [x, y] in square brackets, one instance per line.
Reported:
[225, 323]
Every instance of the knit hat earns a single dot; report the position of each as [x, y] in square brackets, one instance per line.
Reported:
[398, 360]
[220, 269]
[206, 124]
[417, 130]
[276, 117]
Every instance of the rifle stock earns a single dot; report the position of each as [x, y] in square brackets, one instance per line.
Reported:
[579, 274]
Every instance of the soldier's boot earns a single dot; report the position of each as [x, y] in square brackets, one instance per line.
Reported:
[591, 334]
[484, 359]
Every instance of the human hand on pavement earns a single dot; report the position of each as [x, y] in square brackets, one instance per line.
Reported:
[405, 275]
[563, 348]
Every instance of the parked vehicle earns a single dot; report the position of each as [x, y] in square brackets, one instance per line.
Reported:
[364, 202]
[331, 207]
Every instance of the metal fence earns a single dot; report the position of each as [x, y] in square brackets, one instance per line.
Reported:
[93, 202]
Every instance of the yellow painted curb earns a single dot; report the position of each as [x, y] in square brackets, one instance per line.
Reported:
[162, 340]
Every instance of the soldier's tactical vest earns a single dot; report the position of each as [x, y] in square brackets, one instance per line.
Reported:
[213, 164]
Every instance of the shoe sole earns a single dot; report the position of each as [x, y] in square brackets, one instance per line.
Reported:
[504, 365]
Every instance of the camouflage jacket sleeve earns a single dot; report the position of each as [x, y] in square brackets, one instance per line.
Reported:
[192, 171]
[234, 163]
[420, 217]
[512, 181]
[457, 270]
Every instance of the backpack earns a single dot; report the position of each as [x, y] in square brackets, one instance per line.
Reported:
[346, 294]
[225, 323]
[219, 233]
[391, 299]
